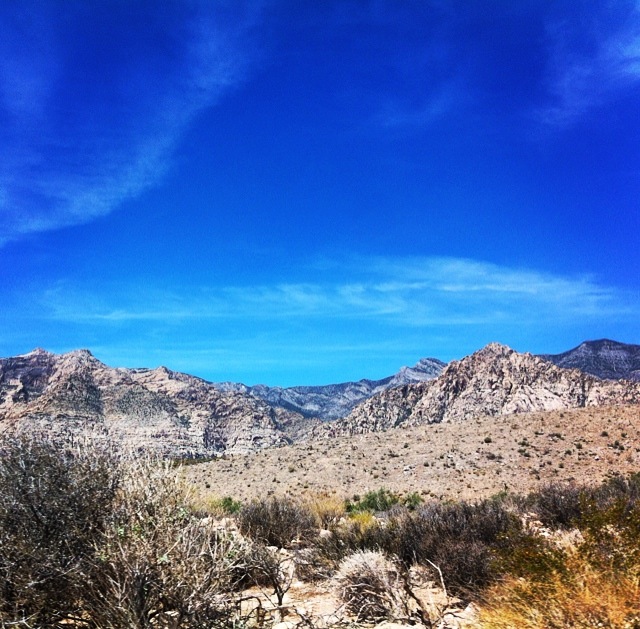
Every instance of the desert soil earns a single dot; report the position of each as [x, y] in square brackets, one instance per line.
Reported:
[465, 460]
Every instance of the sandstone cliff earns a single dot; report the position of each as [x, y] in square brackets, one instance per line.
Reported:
[493, 381]
[157, 409]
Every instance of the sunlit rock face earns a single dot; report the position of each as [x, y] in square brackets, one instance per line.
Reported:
[493, 381]
[143, 409]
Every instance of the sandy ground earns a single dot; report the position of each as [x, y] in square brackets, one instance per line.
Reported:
[470, 459]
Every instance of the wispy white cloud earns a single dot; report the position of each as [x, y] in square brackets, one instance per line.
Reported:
[66, 156]
[448, 97]
[415, 292]
[591, 59]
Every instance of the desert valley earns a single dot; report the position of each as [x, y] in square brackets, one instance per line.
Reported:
[521, 435]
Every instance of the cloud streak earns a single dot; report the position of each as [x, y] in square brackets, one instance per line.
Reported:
[78, 143]
[591, 59]
[414, 292]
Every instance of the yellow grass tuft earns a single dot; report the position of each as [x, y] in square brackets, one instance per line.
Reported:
[327, 509]
[582, 597]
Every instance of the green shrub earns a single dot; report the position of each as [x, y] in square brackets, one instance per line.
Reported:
[412, 501]
[229, 505]
[373, 501]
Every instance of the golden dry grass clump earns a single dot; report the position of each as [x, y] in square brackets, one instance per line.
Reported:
[581, 597]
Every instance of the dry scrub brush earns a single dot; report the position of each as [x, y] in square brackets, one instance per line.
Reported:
[578, 596]
[56, 501]
[592, 583]
[371, 586]
[158, 565]
[89, 539]
[277, 521]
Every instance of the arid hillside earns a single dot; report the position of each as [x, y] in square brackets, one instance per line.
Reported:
[471, 459]
[158, 410]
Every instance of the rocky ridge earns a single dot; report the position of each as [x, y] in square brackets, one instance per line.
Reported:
[158, 409]
[182, 415]
[333, 401]
[493, 381]
[603, 358]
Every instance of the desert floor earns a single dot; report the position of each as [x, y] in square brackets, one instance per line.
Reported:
[471, 459]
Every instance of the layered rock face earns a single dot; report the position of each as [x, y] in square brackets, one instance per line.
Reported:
[604, 358]
[493, 381]
[181, 415]
[337, 400]
[173, 413]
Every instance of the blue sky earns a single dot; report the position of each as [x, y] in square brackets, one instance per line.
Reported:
[294, 192]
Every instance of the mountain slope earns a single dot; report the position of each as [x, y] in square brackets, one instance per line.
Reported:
[493, 381]
[336, 400]
[604, 358]
[159, 409]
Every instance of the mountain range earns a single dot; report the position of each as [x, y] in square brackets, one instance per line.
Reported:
[495, 380]
[336, 400]
[604, 358]
[182, 415]
[147, 409]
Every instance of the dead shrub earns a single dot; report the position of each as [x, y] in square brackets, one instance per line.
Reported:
[56, 500]
[558, 505]
[311, 565]
[90, 540]
[371, 586]
[276, 521]
[158, 565]
[270, 567]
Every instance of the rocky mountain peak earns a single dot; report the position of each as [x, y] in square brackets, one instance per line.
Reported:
[38, 351]
[160, 410]
[495, 380]
[603, 358]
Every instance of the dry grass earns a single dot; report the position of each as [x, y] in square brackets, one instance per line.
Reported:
[582, 598]
[467, 460]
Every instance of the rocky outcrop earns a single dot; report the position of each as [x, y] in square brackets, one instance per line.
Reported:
[604, 358]
[493, 381]
[148, 409]
[336, 400]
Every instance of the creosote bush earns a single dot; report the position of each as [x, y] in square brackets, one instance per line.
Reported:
[276, 521]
